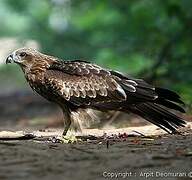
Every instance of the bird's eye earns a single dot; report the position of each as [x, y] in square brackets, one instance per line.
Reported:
[23, 54]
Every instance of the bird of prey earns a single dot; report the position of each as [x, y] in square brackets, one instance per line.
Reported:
[78, 84]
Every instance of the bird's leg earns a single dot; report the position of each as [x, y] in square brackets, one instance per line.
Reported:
[67, 122]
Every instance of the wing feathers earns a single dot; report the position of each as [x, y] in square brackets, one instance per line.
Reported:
[83, 83]
[92, 88]
[78, 67]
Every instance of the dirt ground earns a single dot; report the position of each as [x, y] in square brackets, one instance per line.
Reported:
[128, 153]
[134, 157]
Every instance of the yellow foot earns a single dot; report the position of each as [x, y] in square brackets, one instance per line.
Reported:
[66, 139]
[70, 139]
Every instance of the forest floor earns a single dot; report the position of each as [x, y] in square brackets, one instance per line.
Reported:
[112, 157]
[128, 153]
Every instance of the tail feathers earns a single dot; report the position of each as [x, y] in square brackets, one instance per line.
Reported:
[159, 116]
[169, 99]
[170, 105]
[169, 95]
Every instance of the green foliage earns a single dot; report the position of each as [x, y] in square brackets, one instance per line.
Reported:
[140, 37]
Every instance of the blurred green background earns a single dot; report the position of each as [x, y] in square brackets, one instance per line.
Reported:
[150, 39]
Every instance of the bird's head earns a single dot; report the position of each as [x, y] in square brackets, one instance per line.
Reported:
[23, 56]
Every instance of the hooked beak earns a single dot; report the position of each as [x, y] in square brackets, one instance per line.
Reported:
[13, 58]
[9, 59]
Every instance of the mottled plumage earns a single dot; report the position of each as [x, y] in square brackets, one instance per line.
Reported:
[79, 84]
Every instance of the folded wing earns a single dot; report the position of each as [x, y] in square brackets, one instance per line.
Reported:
[82, 83]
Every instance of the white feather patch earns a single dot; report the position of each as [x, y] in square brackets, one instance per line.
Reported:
[132, 82]
[120, 89]
[84, 118]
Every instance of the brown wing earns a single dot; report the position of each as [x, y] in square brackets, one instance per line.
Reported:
[82, 83]
[79, 68]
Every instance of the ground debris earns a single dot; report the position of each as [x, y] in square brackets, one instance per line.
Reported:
[10, 135]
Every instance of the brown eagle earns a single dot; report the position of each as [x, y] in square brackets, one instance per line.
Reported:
[79, 84]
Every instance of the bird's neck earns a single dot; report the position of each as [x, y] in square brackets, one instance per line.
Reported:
[35, 71]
